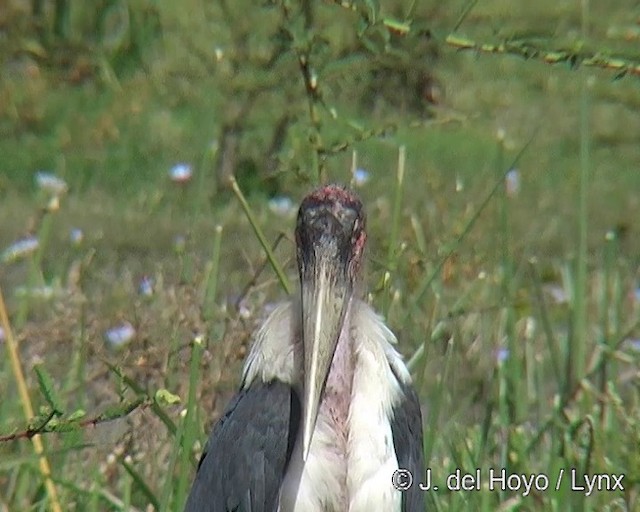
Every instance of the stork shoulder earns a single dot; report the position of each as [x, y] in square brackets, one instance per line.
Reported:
[375, 335]
[248, 451]
[276, 351]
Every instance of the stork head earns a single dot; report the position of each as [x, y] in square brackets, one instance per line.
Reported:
[330, 239]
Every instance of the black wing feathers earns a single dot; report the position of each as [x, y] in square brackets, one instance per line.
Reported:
[248, 451]
[406, 428]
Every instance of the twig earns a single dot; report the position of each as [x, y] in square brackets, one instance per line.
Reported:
[361, 136]
[254, 279]
[48, 426]
[302, 50]
[284, 282]
[527, 50]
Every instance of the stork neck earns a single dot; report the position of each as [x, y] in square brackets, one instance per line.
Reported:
[337, 393]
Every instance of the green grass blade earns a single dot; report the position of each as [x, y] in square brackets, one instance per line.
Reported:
[284, 282]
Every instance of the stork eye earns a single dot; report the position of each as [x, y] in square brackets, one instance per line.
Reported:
[310, 215]
[347, 217]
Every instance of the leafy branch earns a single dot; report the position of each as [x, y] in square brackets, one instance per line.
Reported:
[53, 420]
[528, 50]
[369, 17]
[299, 29]
[51, 423]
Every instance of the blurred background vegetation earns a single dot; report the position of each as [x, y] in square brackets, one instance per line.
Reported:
[503, 252]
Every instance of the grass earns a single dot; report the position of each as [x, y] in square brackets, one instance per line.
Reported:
[518, 310]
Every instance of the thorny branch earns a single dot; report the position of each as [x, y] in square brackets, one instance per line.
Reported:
[521, 48]
[527, 50]
[309, 77]
[50, 424]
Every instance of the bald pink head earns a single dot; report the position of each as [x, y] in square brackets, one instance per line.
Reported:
[332, 219]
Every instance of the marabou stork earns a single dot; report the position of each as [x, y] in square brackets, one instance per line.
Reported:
[326, 411]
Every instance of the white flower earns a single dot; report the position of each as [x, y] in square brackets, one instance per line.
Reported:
[502, 354]
[146, 286]
[181, 173]
[360, 177]
[51, 183]
[20, 249]
[512, 182]
[281, 205]
[558, 294]
[120, 335]
[633, 344]
[76, 236]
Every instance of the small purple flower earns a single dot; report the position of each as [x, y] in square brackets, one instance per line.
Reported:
[146, 286]
[76, 236]
[558, 294]
[360, 177]
[181, 173]
[20, 249]
[120, 335]
[281, 205]
[51, 183]
[2, 336]
[512, 182]
[633, 344]
[502, 354]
